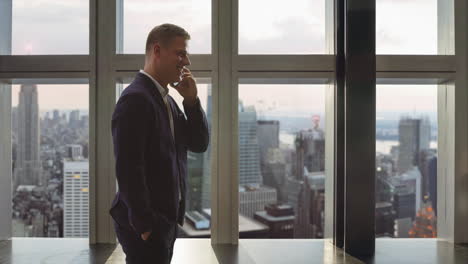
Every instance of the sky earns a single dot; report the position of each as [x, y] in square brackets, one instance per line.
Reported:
[265, 27]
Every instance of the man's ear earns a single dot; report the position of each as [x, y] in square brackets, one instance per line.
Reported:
[157, 50]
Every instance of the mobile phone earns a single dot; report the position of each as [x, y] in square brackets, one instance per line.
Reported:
[175, 84]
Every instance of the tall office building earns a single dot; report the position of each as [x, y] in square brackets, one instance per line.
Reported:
[76, 198]
[268, 136]
[279, 218]
[195, 177]
[249, 153]
[310, 151]
[414, 137]
[292, 189]
[28, 165]
[432, 177]
[384, 219]
[310, 216]
[74, 119]
[206, 180]
[407, 200]
[74, 151]
[274, 171]
[254, 199]
[426, 167]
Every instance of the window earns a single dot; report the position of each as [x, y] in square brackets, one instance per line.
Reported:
[406, 161]
[280, 27]
[406, 27]
[140, 16]
[50, 135]
[281, 160]
[41, 27]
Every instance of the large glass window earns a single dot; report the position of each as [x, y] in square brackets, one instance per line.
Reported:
[281, 160]
[406, 27]
[281, 27]
[140, 16]
[50, 27]
[198, 200]
[406, 161]
[50, 136]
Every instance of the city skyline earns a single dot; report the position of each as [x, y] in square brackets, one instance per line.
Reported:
[298, 191]
[389, 98]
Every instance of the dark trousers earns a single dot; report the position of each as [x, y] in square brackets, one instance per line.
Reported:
[152, 251]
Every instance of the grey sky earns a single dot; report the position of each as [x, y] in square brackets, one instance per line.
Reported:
[69, 96]
[266, 27]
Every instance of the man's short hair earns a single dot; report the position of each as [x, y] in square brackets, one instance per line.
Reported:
[163, 34]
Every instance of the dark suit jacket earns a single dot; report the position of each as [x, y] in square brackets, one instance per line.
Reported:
[149, 164]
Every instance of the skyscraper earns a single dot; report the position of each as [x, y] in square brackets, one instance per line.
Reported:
[194, 181]
[74, 151]
[28, 165]
[274, 170]
[414, 137]
[254, 199]
[268, 136]
[249, 153]
[309, 222]
[74, 119]
[75, 198]
[206, 180]
[310, 151]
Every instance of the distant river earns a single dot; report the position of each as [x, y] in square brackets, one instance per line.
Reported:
[382, 146]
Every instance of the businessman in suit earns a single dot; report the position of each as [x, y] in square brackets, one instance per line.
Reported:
[151, 136]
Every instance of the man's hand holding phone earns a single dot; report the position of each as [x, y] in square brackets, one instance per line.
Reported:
[187, 87]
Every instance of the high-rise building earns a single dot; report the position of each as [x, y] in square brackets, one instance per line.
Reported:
[310, 151]
[414, 137]
[292, 188]
[195, 164]
[384, 219]
[407, 199]
[274, 172]
[74, 151]
[37, 223]
[426, 166]
[56, 115]
[310, 214]
[253, 199]
[404, 204]
[268, 136]
[249, 153]
[74, 119]
[279, 218]
[432, 175]
[28, 167]
[75, 198]
[206, 181]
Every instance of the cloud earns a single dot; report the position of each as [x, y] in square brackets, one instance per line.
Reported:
[406, 27]
[292, 36]
[50, 27]
[140, 17]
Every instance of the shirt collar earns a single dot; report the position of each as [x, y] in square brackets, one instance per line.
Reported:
[163, 90]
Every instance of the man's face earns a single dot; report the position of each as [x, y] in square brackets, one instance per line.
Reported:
[173, 58]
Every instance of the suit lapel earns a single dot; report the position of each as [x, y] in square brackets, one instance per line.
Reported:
[156, 94]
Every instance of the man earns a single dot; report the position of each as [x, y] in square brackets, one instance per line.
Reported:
[151, 137]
